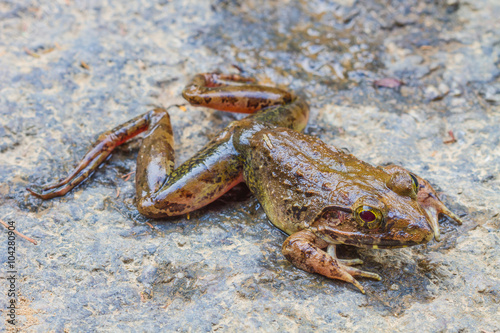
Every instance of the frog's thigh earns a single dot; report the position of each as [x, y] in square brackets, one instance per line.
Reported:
[303, 250]
[199, 181]
[156, 158]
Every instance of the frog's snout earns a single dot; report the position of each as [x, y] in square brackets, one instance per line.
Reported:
[420, 231]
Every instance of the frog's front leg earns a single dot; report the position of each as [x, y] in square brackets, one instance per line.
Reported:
[428, 200]
[304, 250]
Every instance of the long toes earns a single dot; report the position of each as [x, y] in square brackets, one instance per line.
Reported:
[36, 191]
[454, 217]
[350, 262]
[358, 285]
[47, 193]
[357, 272]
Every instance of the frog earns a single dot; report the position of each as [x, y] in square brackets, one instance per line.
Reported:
[319, 195]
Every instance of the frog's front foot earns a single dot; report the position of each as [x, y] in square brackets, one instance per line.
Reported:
[303, 249]
[429, 201]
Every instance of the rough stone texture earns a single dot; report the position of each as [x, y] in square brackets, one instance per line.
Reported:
[72, 69]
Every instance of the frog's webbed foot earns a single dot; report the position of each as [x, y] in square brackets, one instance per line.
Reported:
[429, 201]
[303, 249]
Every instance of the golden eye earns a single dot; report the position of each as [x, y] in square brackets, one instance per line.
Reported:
[368, 217]
[414, 183]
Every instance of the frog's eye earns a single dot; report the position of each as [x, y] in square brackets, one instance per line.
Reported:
[368, 217]
[414, 183]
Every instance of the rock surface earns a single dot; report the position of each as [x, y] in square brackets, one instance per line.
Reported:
[72, 69]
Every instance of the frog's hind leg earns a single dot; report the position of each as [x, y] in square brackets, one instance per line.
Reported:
[162, 191]
[235, 93]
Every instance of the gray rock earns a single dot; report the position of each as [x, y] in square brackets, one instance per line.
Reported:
[491, 93]
[148, 275]
[73, 70]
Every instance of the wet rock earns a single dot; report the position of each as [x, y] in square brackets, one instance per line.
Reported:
[452, 6]
[394, 287]
[346, 3]
[407, 91]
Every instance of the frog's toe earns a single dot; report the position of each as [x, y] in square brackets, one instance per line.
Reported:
[358, 285]
[49, 192]
[36, 191]
[350, 262]
[331, 250]
[357, 272]
[452, 216]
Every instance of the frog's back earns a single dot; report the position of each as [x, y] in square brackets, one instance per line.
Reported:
[291, 174]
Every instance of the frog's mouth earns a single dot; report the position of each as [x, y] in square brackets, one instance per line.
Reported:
[354, 239]
[359, 239]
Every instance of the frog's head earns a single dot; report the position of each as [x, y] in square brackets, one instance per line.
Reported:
[382, 212]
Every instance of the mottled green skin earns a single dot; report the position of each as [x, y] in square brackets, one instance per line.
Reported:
[309, 190]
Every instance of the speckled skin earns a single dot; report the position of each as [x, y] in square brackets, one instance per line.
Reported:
[313, 192]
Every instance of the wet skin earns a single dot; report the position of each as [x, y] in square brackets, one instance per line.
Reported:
[319, 195]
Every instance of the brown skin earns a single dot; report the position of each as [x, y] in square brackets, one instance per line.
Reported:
[317, 194]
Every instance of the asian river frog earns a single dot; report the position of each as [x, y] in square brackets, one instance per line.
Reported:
[319, 195]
